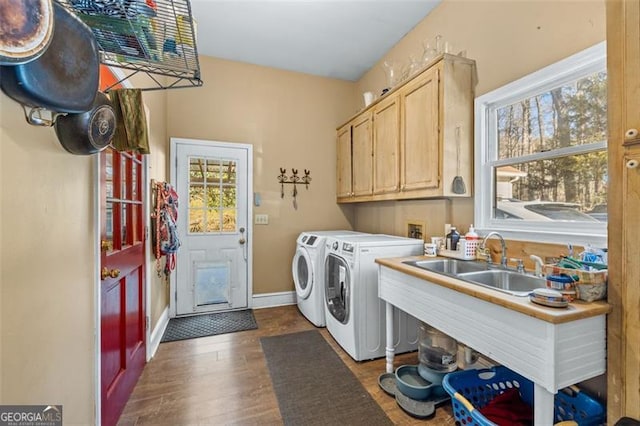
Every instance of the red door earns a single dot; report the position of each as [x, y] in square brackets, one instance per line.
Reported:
[122, 310]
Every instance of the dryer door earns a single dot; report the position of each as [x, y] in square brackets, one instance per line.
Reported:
[337, 287]
[302, 270]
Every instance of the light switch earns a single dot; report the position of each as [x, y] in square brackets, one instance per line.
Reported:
[262, 219]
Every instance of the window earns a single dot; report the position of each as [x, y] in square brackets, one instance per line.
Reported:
[541, 153]
[213, 206]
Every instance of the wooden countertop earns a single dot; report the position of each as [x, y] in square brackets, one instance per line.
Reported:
[575, 311]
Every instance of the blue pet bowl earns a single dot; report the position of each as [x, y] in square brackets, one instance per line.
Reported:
[411, 384]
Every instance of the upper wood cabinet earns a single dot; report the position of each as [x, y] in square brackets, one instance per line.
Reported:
[362, 155]
[422, 136]
[386, 145]
[420, 159]
[343, 166]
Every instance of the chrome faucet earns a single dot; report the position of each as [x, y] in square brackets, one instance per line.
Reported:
[503, 259]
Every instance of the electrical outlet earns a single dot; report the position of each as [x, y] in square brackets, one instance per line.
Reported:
[261, 219]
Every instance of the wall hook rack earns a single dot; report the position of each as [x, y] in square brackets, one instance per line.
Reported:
[295, 180]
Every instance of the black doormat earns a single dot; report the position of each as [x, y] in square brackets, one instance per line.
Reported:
[314, 386]
[208, 325]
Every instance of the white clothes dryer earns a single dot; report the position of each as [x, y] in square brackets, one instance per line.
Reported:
[308, 273]
[355, 315]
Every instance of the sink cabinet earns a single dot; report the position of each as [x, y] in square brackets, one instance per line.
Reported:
[552, 355]
[420, 132]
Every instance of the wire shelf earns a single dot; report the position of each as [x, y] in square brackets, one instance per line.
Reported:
[152, 37]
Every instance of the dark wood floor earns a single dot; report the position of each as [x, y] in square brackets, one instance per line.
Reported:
[224, 379]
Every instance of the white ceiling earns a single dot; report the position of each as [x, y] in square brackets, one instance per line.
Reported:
[331, 38]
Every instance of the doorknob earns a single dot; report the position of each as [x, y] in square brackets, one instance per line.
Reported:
[106, 273]
[106, 245]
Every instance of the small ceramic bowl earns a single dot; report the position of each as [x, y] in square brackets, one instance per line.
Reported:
[411, 384]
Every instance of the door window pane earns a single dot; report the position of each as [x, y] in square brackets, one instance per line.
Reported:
[229, 220]
[124, 220]
[123, 173]
[109, 172]
[213, 221]
[196, 220]
[196, 196]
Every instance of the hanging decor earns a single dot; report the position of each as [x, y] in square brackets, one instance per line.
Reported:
[294, 179]
[164, 222]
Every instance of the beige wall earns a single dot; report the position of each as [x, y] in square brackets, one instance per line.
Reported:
[48, 272]
[158, 163]
[508, 40]
[290, 119]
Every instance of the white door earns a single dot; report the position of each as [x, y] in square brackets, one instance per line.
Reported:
[213, 180]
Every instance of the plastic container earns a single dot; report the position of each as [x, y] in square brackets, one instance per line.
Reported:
[412, 384]
[471, 234]
[436, 350]
[451, 239]
[471, 390]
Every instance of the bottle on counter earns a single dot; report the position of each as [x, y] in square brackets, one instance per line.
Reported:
[452, 238]
[471, 234]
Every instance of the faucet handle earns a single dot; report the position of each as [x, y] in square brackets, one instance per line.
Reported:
[483, 253]
[519, 264]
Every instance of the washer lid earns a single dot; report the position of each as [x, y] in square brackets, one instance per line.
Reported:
[302, 270]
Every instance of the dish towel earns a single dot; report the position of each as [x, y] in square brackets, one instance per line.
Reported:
[131, 129]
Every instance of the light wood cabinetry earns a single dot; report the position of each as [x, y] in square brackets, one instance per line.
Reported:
[420, 159]
[421, 131]
[343, 165]
[623, 328]
[362, 156]
[386, 145]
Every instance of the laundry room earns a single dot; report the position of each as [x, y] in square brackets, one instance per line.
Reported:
[301, 174]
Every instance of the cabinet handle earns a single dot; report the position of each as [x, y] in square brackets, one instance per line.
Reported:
[631, 134]
[632, 164]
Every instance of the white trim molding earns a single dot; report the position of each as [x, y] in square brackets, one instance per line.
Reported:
[157, 333]
[270, 300]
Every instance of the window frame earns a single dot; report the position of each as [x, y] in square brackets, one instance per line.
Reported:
[581, 64]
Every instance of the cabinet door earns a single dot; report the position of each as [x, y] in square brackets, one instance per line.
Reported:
[386, 146]
[343, 162]
[420, 159]
[361, 162]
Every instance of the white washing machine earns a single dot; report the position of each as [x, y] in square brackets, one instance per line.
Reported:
[355, 316]
[308, 273]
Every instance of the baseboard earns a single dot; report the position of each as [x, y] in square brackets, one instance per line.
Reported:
[156, 334]
[270, 300]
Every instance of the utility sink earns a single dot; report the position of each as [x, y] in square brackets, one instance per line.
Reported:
[506, 281]
[510, 282]
[449, 266]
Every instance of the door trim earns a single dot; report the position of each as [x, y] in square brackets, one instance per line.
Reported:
[173, 177]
